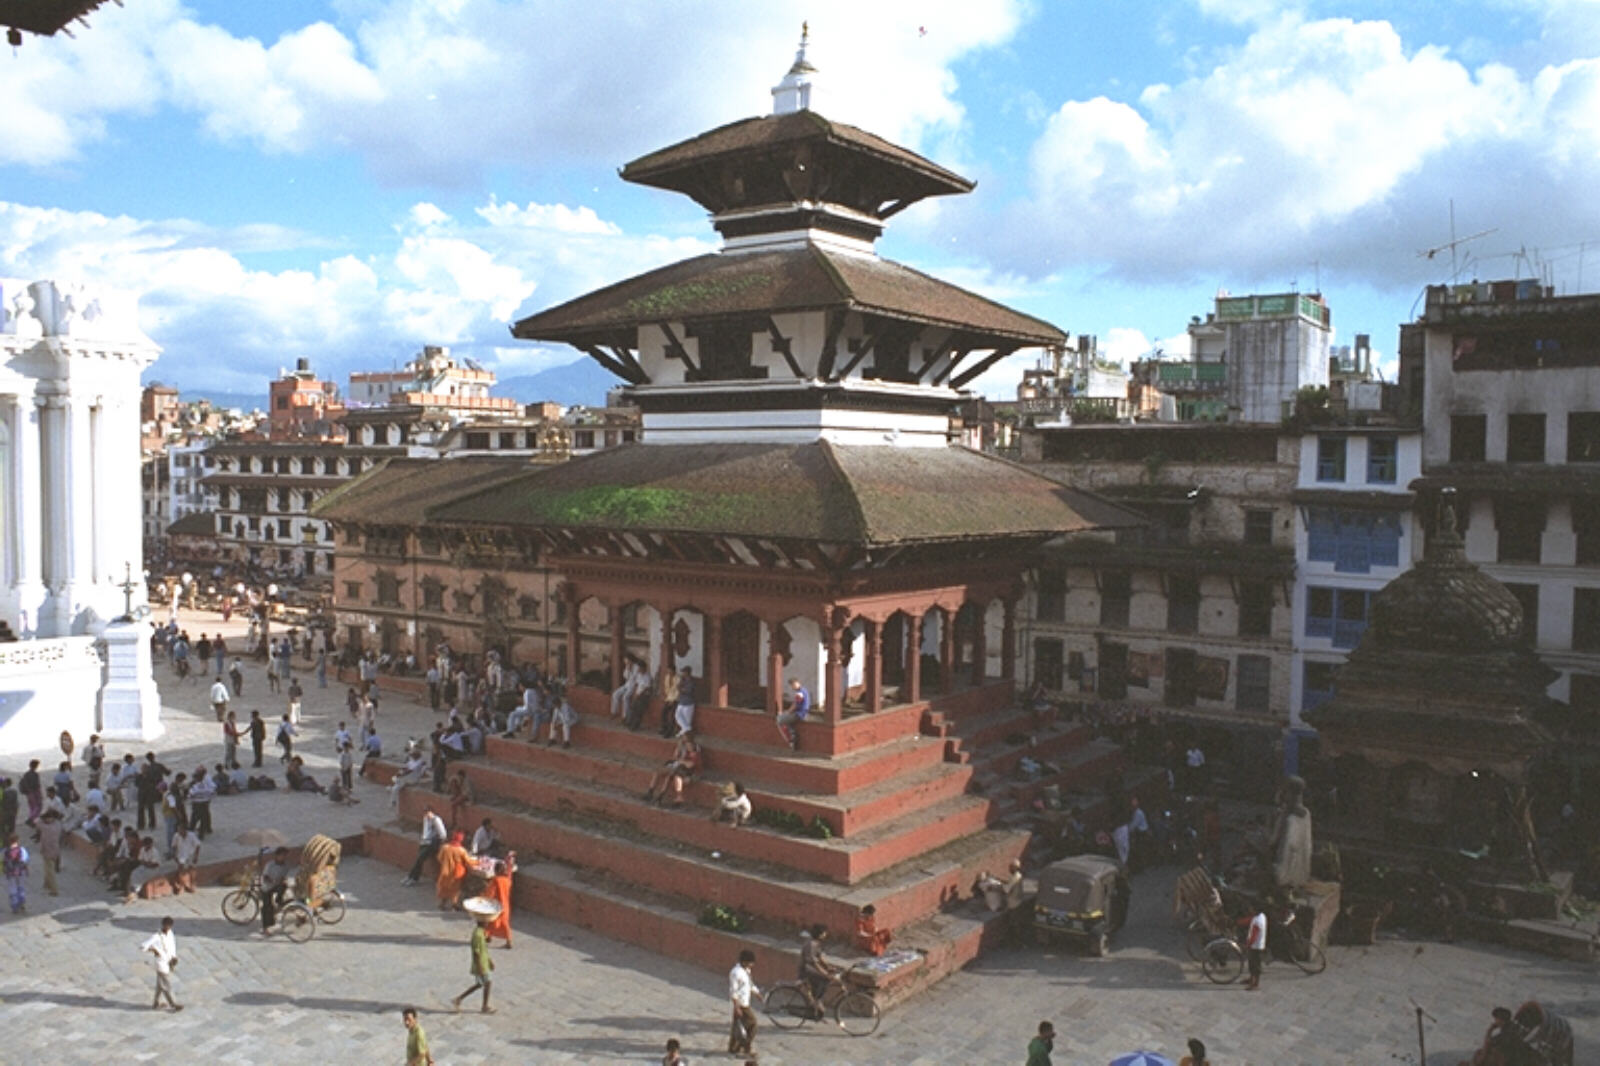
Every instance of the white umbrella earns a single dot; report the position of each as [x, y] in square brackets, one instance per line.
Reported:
[1141, 1058]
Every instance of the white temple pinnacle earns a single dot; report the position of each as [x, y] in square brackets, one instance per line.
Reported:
[793, 93]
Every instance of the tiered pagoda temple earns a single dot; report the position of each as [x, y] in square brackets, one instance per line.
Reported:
[796, 509]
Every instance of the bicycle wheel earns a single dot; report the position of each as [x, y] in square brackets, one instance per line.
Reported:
[858, 1014]
[1314, 961]
[297, 922]
[241, 906]
[1223, 961]
[787, 1006]
[332, 910]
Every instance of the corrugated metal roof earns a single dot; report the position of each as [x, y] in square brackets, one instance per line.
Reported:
[401, 491]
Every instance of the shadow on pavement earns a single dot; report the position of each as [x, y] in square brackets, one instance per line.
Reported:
[72, 999]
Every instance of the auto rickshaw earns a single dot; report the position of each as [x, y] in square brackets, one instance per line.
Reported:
[1083, 898]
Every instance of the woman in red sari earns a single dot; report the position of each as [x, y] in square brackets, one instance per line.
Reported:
[499, 890]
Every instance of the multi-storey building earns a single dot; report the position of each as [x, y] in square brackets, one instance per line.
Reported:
[1355, 531]
[1509, 382]
[1190, 615]
[433, 379]
[302, 406]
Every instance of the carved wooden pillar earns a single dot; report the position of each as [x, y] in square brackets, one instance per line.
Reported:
[874, 667]
[774, 667]
[832, 631]
[947, 650]
[914, 657]
[980, 644]
[667, 664]
[615, 610]
[574, 634]
[717, 696]
[1008, 641]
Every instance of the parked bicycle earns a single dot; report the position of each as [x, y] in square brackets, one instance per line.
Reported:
[853, 1009]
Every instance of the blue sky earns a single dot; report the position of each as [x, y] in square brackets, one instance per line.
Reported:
[351, 179]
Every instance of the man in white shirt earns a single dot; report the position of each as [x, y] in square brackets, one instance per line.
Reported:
[341, 737]
[734, 806]
[619, 695]
[1195, 761]
[1256, 945]
[219, 698]
[415, 769]
[432, 838]
[742, 1032]
[485, 838]
[186, 849]
[164, 946]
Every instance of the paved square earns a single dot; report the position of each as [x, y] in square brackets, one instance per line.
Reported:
[74, 989]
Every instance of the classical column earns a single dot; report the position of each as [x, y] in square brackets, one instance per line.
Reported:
[774, 668]
[574, 634]
[874, 666]
[1008, 641]
[614, 612]
[55, 613]
[711, 631]
[914, 657]
[980, 643]
[24, 512]
[834, 670]
[81, 471]
[947, 650]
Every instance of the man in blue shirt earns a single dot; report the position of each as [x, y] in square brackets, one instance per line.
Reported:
[797, 705]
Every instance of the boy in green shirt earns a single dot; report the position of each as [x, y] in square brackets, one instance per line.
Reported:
[482, 966]
[1039, 1047]
[417, 1053]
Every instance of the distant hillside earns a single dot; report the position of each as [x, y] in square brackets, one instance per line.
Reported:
[581, 382]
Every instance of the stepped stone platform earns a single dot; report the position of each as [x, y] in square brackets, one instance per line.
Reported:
[918, 800]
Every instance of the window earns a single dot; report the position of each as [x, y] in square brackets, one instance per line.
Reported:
[283, 403]
[1318, 685]
[1353, 541]
[1047, 663]
[583, 439]
[352, 591]
[1586, 527]
[508, 440]
[527, 608]
[1052, 593]
[283, 465]
[1116, 593]
[330, 466]
[1255, 608]
[1183, 604]
[1258, 526]
[432, 594]
[429, 544]
[1528, 597]
[1525, 438]
[461, 601]
[1586, 619]
[1113, 678]
[1179, 690]
[1469, 438]
[283, 527]
[388, 589]
[308, 465]
[1339, 615]
[1253, 691]
[1383, 460]
[1520, 525]
[1330, 458]
[1583, 437]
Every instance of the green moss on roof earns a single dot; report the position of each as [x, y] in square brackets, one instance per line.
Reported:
[674, 299]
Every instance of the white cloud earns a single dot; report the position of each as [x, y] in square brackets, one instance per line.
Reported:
[1326, 141]
[442, 281]
[435, 92]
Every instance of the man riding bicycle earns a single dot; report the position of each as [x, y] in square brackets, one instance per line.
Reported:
[816, 972]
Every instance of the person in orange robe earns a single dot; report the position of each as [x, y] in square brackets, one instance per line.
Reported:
[453, 867]
[499, 890]
[869, 937]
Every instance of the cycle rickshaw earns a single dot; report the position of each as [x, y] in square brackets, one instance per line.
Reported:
[315, 896]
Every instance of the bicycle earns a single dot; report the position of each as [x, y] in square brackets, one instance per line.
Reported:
[789, 1006]
[1222, 958]
[297, 918]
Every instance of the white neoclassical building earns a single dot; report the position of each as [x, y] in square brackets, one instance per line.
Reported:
[71, 559]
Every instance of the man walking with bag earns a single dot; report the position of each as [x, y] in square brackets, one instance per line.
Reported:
[164, 946]
[742, 1032]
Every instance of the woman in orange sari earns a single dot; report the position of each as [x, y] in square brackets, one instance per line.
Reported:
[499, 890]
[453, 867]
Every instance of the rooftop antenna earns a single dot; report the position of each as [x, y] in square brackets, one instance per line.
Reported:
[1453, 243]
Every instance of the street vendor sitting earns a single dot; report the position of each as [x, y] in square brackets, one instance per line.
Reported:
[869, 937]
[998, 894]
